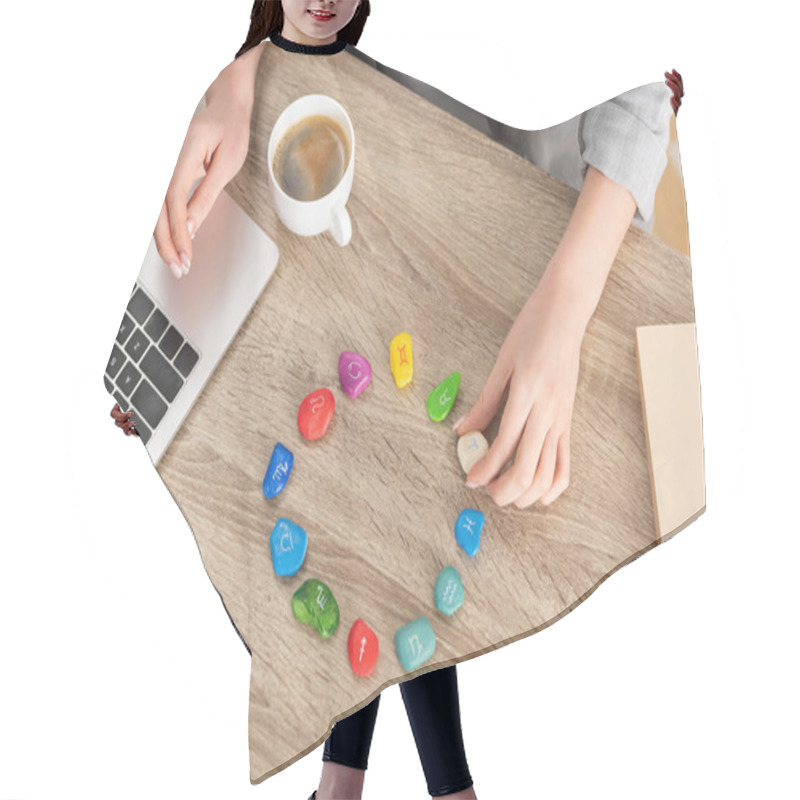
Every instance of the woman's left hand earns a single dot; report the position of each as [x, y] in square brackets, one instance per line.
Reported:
[539, 363]
[675, 82]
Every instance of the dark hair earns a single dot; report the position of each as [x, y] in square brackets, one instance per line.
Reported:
[266, 19]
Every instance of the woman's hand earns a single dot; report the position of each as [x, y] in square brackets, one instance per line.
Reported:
[539, 358]
[216, 146]
[124, 420]
[675, 82]
[539, 363]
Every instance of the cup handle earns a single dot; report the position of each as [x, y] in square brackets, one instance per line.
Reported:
[341, 229]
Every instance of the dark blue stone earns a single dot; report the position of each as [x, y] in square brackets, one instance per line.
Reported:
[278, 471]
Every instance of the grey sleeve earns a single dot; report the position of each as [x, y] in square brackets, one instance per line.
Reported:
[626, 139]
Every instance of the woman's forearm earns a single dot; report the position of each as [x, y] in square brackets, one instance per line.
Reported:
[579, 267]
[237, 81]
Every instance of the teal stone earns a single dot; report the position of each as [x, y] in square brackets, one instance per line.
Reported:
[441, 399]
[414, 643]
[449, 591]
[314, 604]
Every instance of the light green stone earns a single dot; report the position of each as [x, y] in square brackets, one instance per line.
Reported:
[314, 604]
[449, 591]
[414, 643]
[441, 399]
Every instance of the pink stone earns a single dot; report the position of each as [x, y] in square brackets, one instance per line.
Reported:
[355, 373]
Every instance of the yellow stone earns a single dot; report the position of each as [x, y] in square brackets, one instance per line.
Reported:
[401, 359]
[472, 447]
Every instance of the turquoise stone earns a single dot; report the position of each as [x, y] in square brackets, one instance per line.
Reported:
[468, 530]
[314, 604]
[441, 399]
[449, 591]
[287, 543]
[414, 643]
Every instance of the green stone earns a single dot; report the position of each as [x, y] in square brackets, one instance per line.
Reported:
[314, 604]
[441, 399]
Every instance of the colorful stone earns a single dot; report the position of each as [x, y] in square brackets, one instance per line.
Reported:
[315, 413]
[471, 448]
[468, 530]
[449, 591]
[362, 648]
[355, 373]
[288, 543]
[441, 399]
[314, 604]
[401, 359]
[278, 471]
[414, 643]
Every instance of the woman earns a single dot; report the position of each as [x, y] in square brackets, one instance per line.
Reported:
[538, 361]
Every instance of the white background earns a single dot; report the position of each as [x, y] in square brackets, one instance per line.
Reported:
[120, 674]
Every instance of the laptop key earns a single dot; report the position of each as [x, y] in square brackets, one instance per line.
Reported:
[171, 342]
[137, 345]
[115, 362]
[128, 378]
[161, 373]
[140, 306]
[123, 403]
[148, 404]
[186, 359]
[142, 429]
[107, 383]
[156, 325]
[125, 328]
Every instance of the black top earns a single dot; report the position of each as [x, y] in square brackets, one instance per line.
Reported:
[309, 49]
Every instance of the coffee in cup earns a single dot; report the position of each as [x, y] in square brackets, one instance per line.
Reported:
[311, 157]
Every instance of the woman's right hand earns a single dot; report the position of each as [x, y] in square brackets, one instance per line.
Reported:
[124, 420]
[216, 146]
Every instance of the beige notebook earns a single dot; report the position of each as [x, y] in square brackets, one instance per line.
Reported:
[669, 380]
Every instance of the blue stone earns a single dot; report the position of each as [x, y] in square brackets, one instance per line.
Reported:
[414, 643]
[449, 591]
[288, 544]
[278, 471]
[468, 530]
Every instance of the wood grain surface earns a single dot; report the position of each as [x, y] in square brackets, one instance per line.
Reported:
[451, 233]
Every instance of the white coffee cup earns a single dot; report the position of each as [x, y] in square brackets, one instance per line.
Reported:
[328, 213]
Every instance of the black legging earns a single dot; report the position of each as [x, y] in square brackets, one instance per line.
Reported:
[432, 707]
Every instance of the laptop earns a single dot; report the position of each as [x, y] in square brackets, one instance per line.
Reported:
[174, 332]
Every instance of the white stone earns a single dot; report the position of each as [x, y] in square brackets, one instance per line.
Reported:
[472, 447]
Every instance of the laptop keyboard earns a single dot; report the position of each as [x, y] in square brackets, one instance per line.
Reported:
[149, 363]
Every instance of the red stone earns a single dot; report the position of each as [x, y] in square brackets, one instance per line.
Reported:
[362, 647]
[315, 413]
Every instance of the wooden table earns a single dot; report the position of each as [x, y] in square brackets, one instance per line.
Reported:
[451, 232]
